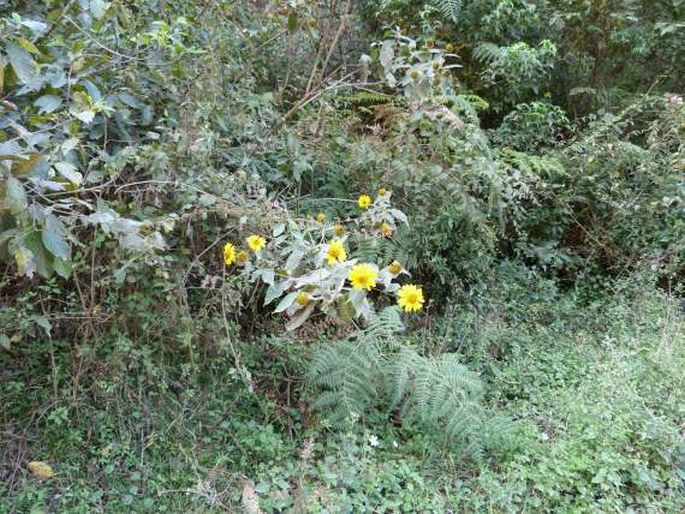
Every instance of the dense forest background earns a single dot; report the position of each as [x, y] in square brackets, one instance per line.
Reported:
[342, 256]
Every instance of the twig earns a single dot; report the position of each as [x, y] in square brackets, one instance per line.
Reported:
[61, 15]
[98, 43]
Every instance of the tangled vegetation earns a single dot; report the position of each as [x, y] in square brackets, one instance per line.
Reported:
[342, 256]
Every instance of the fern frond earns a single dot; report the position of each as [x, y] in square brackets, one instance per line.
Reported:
[346, 372]
[451, 9]
[441, 392]
[486, 52]
[385, 324]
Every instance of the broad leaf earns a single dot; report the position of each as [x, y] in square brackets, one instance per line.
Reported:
[15, 196]
[286, 302]
[43, 323]
[300, 318]
[23, 65]
[273, 292]
[53, 237]
[48, 103]
[69, 172]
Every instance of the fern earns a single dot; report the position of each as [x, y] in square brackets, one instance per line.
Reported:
[385, 324]
[440, 393]
[348, 372]
[451, 9]
[487, 52]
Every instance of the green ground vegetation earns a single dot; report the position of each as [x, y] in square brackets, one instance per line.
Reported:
[524, 162]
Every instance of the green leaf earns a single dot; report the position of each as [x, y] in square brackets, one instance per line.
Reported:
[28, 46]
[273, 292]
[43, 323]
[36, 27]
[23, 64]
[62, 267]
[40, 261]
[300, 318]
[48, 103]
[15, 196]
[5, 341]
[53, 238]
[69, 172]
[286, 302]
[25, 261]
[268, 276]
[98, 8]
[294, 260]
[23, 168]
[292, 22]
[85, 116]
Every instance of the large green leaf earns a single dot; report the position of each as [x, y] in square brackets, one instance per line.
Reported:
[40, 259]
[23, 64]
[15, 196]
[69, 172]
[48, 103]
[53, 237]
[62, 267]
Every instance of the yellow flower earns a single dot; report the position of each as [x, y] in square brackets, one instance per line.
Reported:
[241, 257]
[386, 230]
[395, 268]
[339, 230]
[364, 201]
[229, 254]
[363, 276]
[40, 469]
[410, 298]
[382, 191]
[336, 252]
[302, 298]
[256, 243]
[321, 217]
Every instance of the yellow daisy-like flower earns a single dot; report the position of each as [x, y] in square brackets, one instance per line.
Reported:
[256, 243]
[364, 201]
[339, 230]
[302, 298]
[336, 252]
[410, 298]
[229, 254]
[385, 229]
[241, 257]
[382, 191]
[321, 217]
[395, 268]
[363, 276]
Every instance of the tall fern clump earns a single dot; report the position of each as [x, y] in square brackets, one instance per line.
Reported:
[375, 371]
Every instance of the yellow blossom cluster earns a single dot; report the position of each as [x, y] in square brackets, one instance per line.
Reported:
[364, 276]
[255, 242]
[361, 276]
